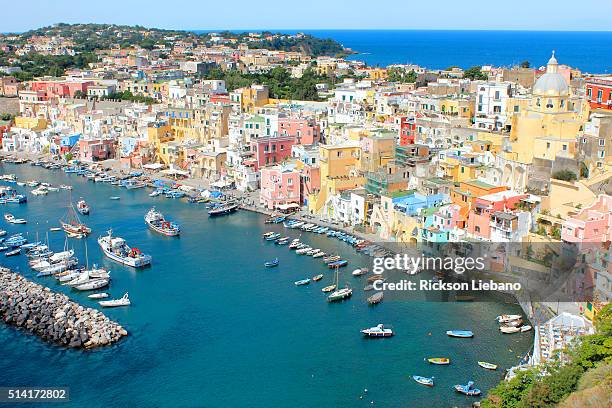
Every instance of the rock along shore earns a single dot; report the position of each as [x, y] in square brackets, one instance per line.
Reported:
[53, 316]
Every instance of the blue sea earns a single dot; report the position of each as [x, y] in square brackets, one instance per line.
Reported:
[589, 51]
[209, 326]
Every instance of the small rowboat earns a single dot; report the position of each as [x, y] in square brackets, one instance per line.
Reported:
[488, 366]
[317, 278]
[329, 288]
[467, 389]
[439, 360]
[460, 333]
[424, 380]
[302, 282]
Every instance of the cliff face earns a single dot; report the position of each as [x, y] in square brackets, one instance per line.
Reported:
[53, 316]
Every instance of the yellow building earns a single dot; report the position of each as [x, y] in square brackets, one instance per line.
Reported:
[30, 123]
[548, 126]
[463, 108]
[339, 169]
[253, 97]
[158, 136]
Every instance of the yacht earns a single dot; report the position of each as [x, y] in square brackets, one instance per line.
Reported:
[119, 251]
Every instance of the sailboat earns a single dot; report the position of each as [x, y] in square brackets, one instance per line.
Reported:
[72, 224]
[339, 294]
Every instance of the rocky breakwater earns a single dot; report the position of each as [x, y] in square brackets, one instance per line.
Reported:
[53, 316]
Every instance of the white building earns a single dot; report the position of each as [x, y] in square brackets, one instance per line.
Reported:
[491, 103]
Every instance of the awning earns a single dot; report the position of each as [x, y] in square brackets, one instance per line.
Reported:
[221, 184]
[153, 166]
[175, 172]
[287, 206]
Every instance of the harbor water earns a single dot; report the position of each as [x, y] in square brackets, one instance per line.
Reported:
[210, 326]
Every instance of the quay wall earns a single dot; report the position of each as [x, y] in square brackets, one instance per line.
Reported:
[53, 316]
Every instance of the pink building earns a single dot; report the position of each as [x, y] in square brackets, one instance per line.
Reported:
[271, 150]
[96, 149]
[304, 131]
[479, 217]
[591, 224]
[60, 88]
[279, 186]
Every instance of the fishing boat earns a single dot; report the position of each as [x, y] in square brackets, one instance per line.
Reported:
[156, 221]
[509, 329]
[223, 209]
[72, 225]
[359, 272]
[317, 278]
[93, 285]
[424, 380]
[328, 289]
[102, 295]
[467, 389]
[302, 282]
[507, 318]
[488, 366]
[460, 333]
[439, 360]
[378, 331]
[82, 207]
[376, 298]
[123, 301]
[118, 250]
[272, 263]
[13, 252]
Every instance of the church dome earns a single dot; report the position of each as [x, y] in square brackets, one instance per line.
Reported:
[552, 83]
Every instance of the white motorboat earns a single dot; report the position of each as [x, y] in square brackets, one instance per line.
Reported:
[525, 328]
[509, 330]
[303, 250]
[93, 285]
[378, 331]
[123, 301]
[318, 254]
[507, 318]
[359, 272]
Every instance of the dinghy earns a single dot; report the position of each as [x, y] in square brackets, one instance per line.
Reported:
[123, 301]
[302, 282]
[467, 389]
[486, 365]
[439, 360]
[424, 380]
[460, 333]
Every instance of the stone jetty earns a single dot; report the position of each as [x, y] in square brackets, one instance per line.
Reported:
[53, 316]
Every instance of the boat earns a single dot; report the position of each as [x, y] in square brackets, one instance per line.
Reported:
[340, 294]
[272, 237]
[101, 295]
[467, 389]
[13, 252]
[317, 278]
[3, 248]
[376, 298]
[55, 229]
[294, 244]
[123, 301]
[329, 288]
[302, 282]
[303, 251]
[156, 221]
[272, 263]
[223, 209]
[9, 217]
[331, 258]
[525, 328]
[488, 366]
[509, 329]
[155, 193]
[313, 251]
[82, 207]
[424, 380]
[133, 184]
[507, 318]
[439, 360]
[18, 221]
[460, 333]
[115, 198]
[118, 250]
[318, 254]
[93, 285]
[65, 187]
[368, 288]
[72, 225]
[359, 272]
[338, 264]
[40, 191]
[378, 331]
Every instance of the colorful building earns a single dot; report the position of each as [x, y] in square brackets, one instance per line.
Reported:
[280, 185]
[599, 92]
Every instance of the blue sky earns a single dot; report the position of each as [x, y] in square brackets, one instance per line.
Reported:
[564, 15]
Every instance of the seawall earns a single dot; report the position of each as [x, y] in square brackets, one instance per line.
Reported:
[53, 316]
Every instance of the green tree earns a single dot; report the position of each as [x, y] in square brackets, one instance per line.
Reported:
[474, 73]
[565, 175]
[525, 64]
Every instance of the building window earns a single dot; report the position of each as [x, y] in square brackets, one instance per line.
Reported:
[477, 229]
[602, 142]
[564, 147]
[516, 108]
[548, 145]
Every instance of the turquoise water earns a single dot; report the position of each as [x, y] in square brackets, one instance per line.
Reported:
[210, 326]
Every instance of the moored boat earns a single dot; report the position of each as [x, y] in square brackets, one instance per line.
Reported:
[428, 381]
[118, 250]
[460, 333]
[272, 263]
[378, 331]
[359, 272]
[156, 221]
[302, 282]
[102, 295]
[467, 389]
[488, 366]
[82, 207]
[223, 209]
[317, 278]
[509, 329]
[329, 288]
[340, 294]
[376, 298]
[123, 301]
[439, 360]
[507, 318]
